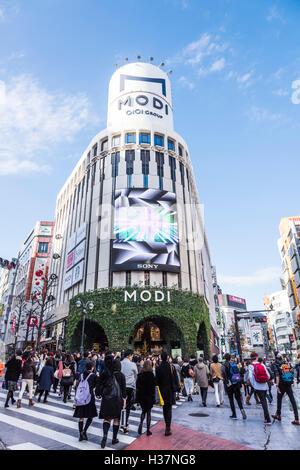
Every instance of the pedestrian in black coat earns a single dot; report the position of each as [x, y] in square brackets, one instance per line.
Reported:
[13, 371]
[166, 378]
[145, 394]
[89, 410]
[46, 380]
[112, 388]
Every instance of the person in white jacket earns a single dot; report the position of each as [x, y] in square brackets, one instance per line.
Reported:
[258, 370]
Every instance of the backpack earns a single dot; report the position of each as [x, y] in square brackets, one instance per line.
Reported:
[185, 370]
[286, 373]
[234, 374]
[260, 374]
[67, 372]
[83, 394]
[111, 389]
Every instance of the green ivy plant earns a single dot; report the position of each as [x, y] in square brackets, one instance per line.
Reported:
[182, 316]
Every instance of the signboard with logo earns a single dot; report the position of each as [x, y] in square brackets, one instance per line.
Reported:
[145, 231]
[75, 257]
[46, 230]
[256, 335]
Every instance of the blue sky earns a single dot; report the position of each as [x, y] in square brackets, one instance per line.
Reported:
[234, 62]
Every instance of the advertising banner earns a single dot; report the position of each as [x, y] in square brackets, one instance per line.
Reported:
[256, 335]
[145, 231]
[71, 243]
[70, 260]
[68, 280]
[79, 252]
[78, 273]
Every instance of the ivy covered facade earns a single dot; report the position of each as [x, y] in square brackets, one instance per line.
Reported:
[183, 319]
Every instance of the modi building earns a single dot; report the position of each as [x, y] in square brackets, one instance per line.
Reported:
[130, 233]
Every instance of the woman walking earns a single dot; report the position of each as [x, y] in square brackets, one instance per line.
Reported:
[201, 378]
[68, 376]
[28, 374]
[46, 379]
[217, 379]
[111, 387]
[145, 394]
[187, 375]
[13, 371]
[88, 410]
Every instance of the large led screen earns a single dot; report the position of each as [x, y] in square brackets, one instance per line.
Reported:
[145, 231]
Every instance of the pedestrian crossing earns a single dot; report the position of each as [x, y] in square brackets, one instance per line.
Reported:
[52, 426]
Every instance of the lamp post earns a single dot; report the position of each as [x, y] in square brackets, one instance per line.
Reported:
[84, 307]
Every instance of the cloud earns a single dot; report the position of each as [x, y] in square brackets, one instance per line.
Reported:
[33, 120]
[280, 92]
[274, 15]
[187, 83]
[262, 276]
[261, 114]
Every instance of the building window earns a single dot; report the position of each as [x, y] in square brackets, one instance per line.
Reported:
[116, 141]
[160, 167]
[104, 145]
[95, 150]
[164, 278]
[115, 159]
[147, 278]
[171, 145]
[158, 140]
[145, 138]
[180, 150]
[145, 157]
[172, 163]
[181, 168]
[130, 138]
[128, 278]
[129, 158]
[43, 247]
[88, 160]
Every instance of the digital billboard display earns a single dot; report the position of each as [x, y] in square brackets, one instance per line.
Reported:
[145, 231]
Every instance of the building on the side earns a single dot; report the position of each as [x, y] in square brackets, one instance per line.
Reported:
[32, 266]
[228, 304]
[131, 231]
[289, 249]
[280, 322]
[7, 279]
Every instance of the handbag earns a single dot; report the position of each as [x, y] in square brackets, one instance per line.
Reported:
[161, 400]
[4, 385]
[216, 380]
[123, 418]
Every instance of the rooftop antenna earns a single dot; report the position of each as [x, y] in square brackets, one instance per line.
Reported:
[151, 59]
[139, 57]
[162, 64]
[170, 72]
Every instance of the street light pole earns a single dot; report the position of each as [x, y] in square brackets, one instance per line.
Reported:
[84, 307]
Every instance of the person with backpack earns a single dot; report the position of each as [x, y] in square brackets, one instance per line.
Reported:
[259, 378]
[13, 371]
[129, 369]
[111, 386]
[232, 383]
[145, 394]
[81, 365]
[68, 376]
[187, 373]
[85, 400]
[284, 376]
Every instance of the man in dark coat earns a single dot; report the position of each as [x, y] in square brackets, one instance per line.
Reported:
[166, 382]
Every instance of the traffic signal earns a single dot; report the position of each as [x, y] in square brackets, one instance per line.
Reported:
[261, 319]
[222, 341]
[232, 343]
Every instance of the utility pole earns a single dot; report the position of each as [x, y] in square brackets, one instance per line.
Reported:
[237, 333]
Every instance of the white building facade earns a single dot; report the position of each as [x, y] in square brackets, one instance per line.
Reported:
[129, 214]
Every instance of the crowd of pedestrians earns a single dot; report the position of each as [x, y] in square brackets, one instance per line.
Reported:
[123, 381]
